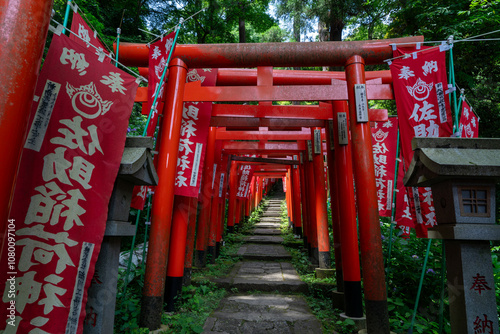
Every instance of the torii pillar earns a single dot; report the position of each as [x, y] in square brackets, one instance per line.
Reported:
[163, 201]
[21, 53]
[377, 318]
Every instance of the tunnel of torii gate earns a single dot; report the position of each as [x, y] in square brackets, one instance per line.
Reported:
[290, 142]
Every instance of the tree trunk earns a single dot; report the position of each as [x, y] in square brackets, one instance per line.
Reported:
[242, 32]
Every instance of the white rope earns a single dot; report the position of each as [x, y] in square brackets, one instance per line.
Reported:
[478, 40]
[424, 42]
[148, 32]
[100, 50]
[181, 21]
[473, 37]
[408, 55]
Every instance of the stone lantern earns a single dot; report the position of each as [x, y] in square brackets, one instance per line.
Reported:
[462, 174]
[136, 168]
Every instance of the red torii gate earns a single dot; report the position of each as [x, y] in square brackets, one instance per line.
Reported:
[353, 56]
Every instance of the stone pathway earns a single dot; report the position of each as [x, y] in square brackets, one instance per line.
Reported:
[264, 269]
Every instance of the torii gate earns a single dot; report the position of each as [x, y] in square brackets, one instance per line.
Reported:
[16, 99]
[353, 56]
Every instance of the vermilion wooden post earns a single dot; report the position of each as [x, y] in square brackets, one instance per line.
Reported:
[289, 203]
[252, 195]
[320, 201]
[304, 202]
[296, 199]
[334, 204]
[222, 204]
[177, 252]
[161, 216]
[214, 214]
[191, 231]
[23, 29]
[260, 190]
[377, 319]
[348, 229]
[205, 201]
[233, 180]
[248, 208]
[311, 188]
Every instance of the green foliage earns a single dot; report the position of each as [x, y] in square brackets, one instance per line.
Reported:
[194, 306]
[128, 304]
[403, 277]
[213, 25]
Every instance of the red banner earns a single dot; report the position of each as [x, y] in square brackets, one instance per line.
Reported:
[87, 36]
[158, 56]
[403, 216]
[194, 133]
[384, 139]
[469, 122]
[245, 176]
[420, 84]
[69, 164]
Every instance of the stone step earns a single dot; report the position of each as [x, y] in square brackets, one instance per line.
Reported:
[264, 252]
[271, 214]
[273, 209]
[269, 313]
[264, 239]
[270, 219]
[266, 231]
[263, 276]
[273, 225]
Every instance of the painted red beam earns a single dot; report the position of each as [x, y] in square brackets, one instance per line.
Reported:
[271, 168]
[273, 123]
[289, 112]
[248, 77]
[263, 135]
[304, 112]
[252, 160]
[269, 54]
[285, 146]
[338, 91]
[270, 174]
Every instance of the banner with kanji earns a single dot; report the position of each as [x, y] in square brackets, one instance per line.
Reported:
[420, 84]
[69, 165]
[88, 36]
[244, 179]
[384, 142]
[158, 56]
[193, 140]
[403, 217]
[469, 122]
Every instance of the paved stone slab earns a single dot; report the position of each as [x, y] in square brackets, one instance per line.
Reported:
[266, 231]
[268, 225]
[264, 252]
[266, 313]
[263, 276]
[273, 208]
[270, 219]
[271, 214]
[264, 239]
